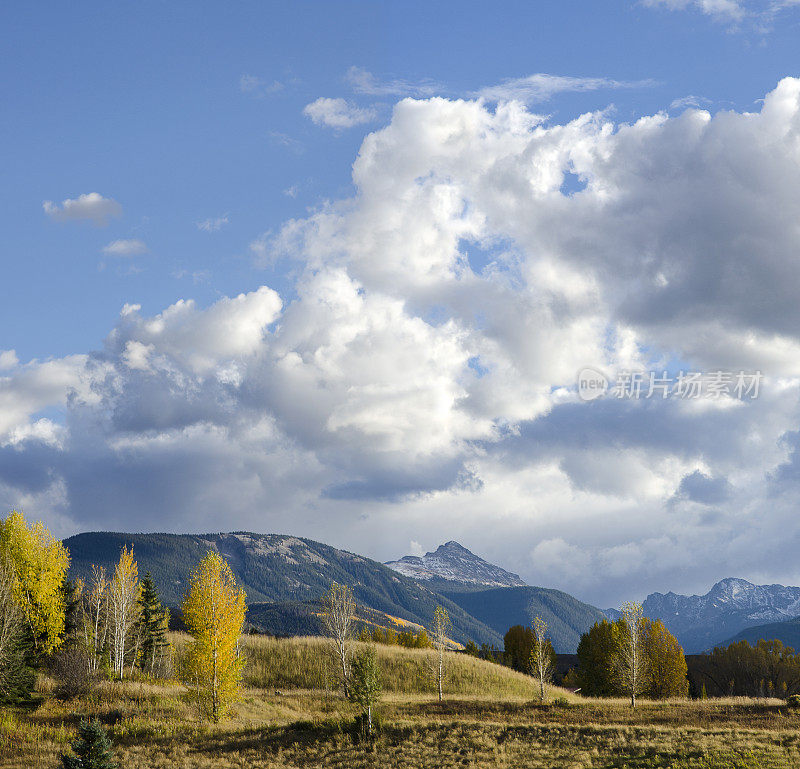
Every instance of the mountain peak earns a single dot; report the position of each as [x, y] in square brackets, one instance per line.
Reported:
[454, 563]
[452, 547]
[733, 581]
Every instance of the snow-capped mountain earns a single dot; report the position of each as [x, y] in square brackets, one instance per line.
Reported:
[701, 621]
[454, 563]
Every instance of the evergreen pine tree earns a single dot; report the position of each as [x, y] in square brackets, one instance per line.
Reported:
[17, 677]
[92, 749]
[71, 595]
[154, 621]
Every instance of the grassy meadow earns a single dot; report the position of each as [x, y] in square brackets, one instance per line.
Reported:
[291, 715]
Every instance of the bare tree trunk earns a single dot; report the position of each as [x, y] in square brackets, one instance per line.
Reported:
[215, 691]
[441, 672]
[135, 652]
[343, 659]
[121, 660]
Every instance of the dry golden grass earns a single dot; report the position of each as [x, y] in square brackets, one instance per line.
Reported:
[306, 663]
[489, 719]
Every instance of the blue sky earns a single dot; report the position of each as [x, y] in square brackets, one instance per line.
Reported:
[143, 103]
[330, 269]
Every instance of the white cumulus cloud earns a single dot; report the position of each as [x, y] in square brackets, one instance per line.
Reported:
[8, 359]
[91, 206]
[417, 383]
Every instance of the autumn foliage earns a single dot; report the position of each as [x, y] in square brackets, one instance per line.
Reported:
[38, 564]
[213, 610]
[662, 666]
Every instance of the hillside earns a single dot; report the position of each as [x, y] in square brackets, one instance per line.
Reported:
[453, 563]
[787, 632]
[275, 568]
[500, 608]
[302, 618]
[304, 663]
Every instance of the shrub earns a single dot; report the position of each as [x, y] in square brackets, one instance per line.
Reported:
[365, 683]
[70, 668]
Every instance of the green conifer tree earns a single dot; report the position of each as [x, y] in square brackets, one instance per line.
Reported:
[154, 623]
[92, 749]
[17, 677]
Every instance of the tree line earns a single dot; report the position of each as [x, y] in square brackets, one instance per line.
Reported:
[389, 637]
[632, 657]
[768, 669]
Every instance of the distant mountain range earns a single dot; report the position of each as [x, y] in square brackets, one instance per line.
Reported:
[701, 622]
[285, 576]
[451, 562]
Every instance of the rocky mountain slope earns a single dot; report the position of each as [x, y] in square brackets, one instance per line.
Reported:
[700, 622]
[452, 562]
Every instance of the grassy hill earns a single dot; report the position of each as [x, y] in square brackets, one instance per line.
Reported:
[500, 608]
[788, 632]
[276, 569]
[305, 663]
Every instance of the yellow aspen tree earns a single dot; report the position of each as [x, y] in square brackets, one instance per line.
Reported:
[666, 663]
[38, 564]
[124, 606]
[213, 610]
